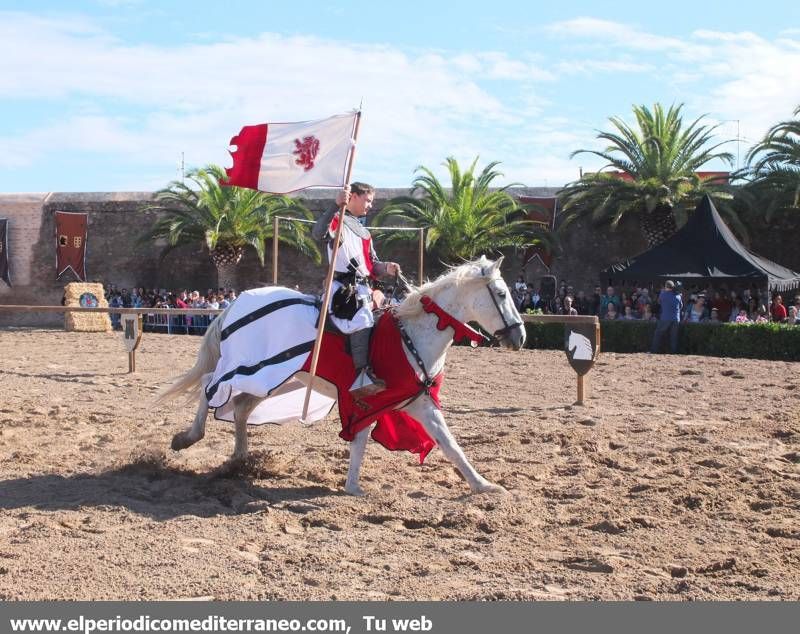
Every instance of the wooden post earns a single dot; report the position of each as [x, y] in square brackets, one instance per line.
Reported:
[275, 223]
[326, 296]
[597, 336]
[580, 389]
[132, 335]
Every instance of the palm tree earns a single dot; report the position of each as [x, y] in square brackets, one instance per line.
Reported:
[774, 167]
[466, 220]
[658, 183]
[226, 220]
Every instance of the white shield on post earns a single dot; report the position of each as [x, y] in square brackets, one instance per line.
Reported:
[581, 342]
[132, 335]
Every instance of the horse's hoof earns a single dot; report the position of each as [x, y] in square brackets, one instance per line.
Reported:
[494, 489]
[355, 490]
[181, 441]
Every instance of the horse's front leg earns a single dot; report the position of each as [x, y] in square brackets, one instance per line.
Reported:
[425, 411]
[187, 438]
[357, 448]
[243, 406]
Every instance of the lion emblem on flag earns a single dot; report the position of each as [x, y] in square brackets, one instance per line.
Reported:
[306, 151]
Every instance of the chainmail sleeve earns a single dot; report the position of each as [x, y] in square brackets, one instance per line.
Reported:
[320, 230]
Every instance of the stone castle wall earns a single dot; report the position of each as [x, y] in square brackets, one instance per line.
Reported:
[116, 255]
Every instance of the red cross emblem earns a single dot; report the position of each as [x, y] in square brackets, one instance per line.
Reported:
[306, 151]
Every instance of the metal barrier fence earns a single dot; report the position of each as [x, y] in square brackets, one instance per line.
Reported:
[188, 324]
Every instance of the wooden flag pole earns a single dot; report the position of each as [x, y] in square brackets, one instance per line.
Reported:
[323, 313]
[421, 255]
[275, 230]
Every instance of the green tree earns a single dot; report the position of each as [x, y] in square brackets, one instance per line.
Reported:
[467, 219]
[774, 168]
[226, 220]
[659, 185]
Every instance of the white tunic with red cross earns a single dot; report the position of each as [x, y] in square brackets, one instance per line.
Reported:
[355, 254]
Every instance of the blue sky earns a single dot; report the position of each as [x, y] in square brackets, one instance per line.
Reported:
[107, 95]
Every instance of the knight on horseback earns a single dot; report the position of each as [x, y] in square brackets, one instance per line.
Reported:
[356, 264]
[253, 366]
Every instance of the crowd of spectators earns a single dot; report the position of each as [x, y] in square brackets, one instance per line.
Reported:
[162, 298]
[216, 299]
[701, 304]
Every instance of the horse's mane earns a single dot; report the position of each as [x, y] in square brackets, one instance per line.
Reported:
[458, 275]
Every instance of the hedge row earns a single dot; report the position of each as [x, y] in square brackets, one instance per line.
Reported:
[753, 341]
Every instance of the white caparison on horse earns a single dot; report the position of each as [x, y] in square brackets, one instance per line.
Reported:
[253, 361]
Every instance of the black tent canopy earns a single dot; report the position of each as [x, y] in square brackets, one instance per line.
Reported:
[703, 250]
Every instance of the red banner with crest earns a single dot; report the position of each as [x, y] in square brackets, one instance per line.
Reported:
[71, 243]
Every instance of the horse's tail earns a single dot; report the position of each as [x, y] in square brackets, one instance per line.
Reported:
[207, 358]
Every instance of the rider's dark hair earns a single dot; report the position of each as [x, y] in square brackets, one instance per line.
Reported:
[361, 188]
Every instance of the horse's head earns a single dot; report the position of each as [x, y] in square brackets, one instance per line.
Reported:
[493, 307]
[474, 291]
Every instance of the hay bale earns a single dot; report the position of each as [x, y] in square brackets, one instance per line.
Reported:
[85, 322]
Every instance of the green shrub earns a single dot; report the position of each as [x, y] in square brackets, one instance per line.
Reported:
[753, 341]
[544, 336]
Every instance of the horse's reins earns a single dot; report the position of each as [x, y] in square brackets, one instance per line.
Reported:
[429, 382]
[445, 320]
[399, 278]
[466, 331]
[508, 327]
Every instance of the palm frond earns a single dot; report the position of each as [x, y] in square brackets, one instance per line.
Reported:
[774, 168]
[465, 220]
[199, 210]
[659, 158]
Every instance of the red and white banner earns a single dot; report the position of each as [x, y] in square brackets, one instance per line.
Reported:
[71, 243]
[284, 157]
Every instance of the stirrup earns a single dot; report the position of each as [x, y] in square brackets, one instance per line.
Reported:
[367, 384]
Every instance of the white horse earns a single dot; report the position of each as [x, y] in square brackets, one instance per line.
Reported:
[474, 291]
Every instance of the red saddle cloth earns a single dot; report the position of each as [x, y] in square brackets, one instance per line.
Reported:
[394, 430]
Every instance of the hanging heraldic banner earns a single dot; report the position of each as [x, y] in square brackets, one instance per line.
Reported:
[71, 243]
[5, 273]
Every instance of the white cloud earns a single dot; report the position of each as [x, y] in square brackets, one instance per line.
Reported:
[587, 66]
[115, 4]
[733, 75]
[614, 33]
[741, 37]
[759, 81]
[193, 98]
[142, 105]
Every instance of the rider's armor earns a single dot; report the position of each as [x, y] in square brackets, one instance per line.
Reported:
[356, 265]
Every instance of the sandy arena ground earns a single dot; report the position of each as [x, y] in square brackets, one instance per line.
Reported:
[679, 480]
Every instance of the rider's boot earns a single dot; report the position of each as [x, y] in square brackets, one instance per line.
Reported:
[366, 382]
